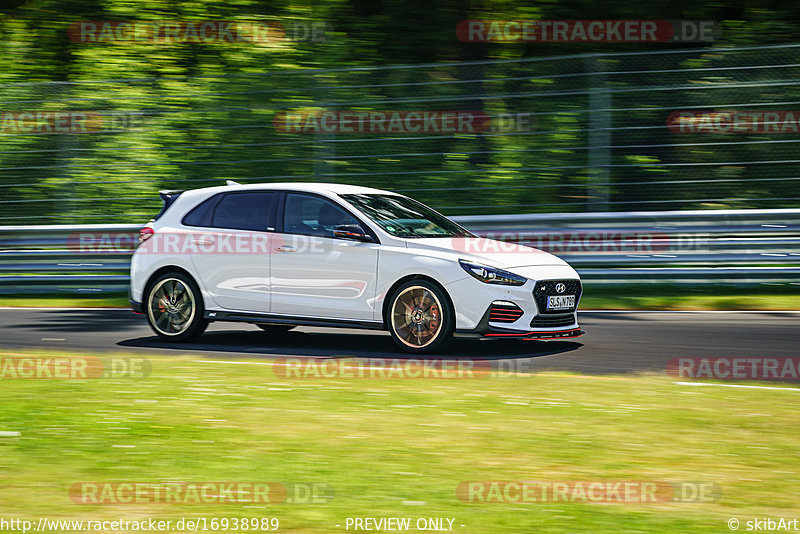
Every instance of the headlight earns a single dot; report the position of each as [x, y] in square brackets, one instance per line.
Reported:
[492, 275]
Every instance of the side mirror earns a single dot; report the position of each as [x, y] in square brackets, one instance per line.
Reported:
[351, 231]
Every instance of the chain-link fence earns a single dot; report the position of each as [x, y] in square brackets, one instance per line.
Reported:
[676, 129]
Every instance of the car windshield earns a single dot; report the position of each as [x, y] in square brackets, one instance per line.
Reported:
[404, 217]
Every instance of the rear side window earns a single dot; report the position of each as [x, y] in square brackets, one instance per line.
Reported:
[253, 210]
[201, 215]
[245, 211]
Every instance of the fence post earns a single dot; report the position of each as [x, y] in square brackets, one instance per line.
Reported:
[599, 138]
[324, 149]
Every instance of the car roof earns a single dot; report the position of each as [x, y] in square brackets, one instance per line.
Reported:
[311, 187]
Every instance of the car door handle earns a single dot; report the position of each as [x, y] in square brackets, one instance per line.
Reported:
[284, 248]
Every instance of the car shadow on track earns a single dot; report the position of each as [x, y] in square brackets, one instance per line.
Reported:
[342, 345]
[67, 320]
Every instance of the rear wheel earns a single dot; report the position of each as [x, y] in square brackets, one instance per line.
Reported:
[174, 308]
[275, 328]
[421, 319]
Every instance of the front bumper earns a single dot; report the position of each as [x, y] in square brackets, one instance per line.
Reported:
[485, 330]
[136, 306]
[471, 298]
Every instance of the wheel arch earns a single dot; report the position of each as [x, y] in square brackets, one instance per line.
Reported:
[403, 280]
[164, 270]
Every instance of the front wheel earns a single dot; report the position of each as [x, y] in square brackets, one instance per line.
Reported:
[421, 319]
[174, 308]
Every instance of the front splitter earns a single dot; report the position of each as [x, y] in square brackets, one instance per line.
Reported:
[553, 334]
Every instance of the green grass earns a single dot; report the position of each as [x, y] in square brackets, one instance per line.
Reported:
[400, 447]
[665, 297]
[60, 301]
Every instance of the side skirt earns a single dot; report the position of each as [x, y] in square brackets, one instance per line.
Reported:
[270, 318]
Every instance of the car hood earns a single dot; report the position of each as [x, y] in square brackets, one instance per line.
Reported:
[488, 251]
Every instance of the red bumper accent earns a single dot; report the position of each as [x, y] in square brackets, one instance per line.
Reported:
[504, 313]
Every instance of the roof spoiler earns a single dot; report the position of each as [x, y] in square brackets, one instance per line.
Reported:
[166, 195]
[169, 197]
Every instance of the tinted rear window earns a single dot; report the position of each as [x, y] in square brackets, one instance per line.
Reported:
[201, 215]
[252, 210]
[245, 211]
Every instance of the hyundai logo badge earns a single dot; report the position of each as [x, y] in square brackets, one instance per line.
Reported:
[560, 288]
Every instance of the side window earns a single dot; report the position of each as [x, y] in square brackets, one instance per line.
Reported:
[245, 211]
[312, 215]
[201, 215]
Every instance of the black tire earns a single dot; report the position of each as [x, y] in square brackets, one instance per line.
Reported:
[420, 318]
[174, 308]
[275, 328]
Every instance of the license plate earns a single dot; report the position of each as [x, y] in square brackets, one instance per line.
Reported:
[561, 302]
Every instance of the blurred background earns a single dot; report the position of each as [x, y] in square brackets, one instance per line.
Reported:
[105, 102]
[573, 126]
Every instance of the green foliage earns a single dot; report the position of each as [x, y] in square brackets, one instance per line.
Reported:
[191, 114]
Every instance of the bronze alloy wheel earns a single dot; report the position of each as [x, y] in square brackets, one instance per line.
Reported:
[416, 317]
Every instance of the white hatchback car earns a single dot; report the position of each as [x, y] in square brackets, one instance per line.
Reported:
[283, 255]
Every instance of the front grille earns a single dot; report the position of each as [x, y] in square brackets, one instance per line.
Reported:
[504, 313]
[553, 320]
[546, 288]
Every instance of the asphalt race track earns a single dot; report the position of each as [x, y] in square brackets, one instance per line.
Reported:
[615, 342]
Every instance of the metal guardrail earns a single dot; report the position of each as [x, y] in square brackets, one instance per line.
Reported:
[683, 247]
[85, 258]
[699, 247]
